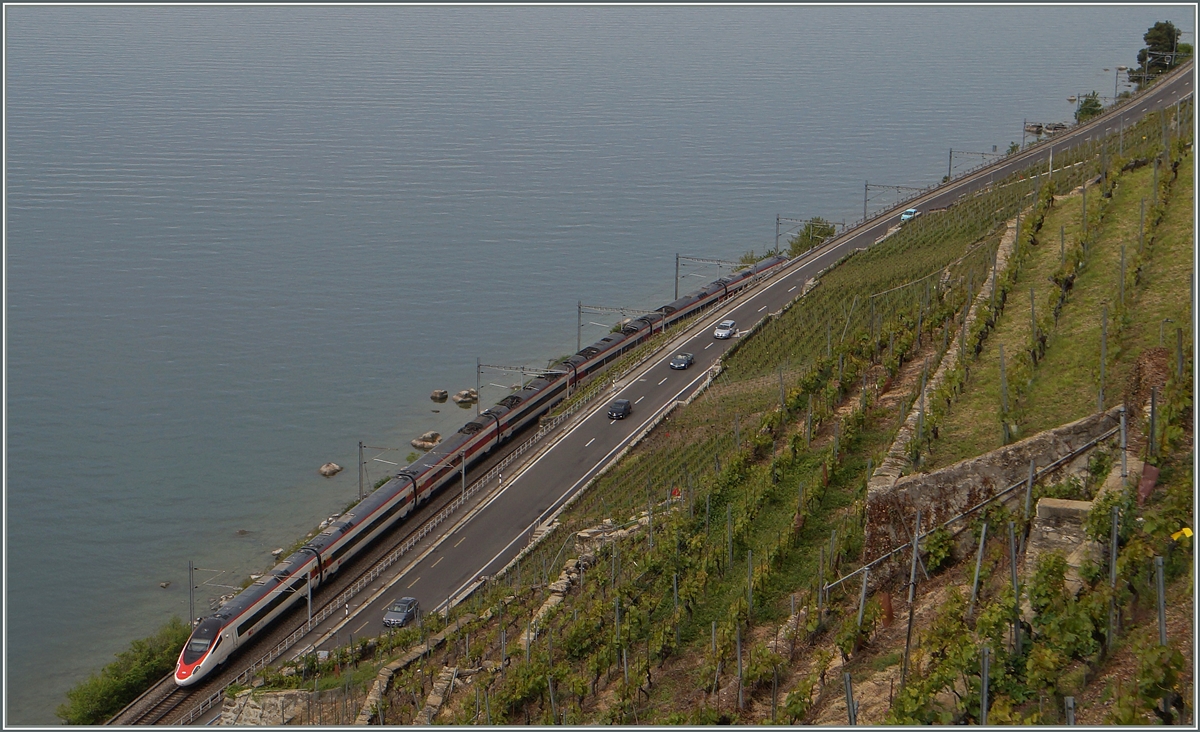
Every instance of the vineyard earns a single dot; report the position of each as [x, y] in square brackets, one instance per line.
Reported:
[700, 594]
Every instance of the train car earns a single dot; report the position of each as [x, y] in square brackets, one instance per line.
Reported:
[291, 581]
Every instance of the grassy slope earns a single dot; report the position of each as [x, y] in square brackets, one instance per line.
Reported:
[1164, 291]
[1066, 383]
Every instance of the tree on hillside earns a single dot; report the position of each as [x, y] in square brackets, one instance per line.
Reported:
[1163, 51]
[1089, 106]
[816, 230]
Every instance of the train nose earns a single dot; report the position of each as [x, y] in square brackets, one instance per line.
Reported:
[186, 675]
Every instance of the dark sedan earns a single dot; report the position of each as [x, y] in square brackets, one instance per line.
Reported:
[682, 361]
[620, 409]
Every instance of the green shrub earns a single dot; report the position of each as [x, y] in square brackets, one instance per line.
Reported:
[103, 694]
[939, 549]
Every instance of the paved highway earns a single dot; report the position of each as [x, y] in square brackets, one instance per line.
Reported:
[487, 538]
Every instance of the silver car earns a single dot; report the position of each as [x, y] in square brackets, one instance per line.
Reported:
[725, 329]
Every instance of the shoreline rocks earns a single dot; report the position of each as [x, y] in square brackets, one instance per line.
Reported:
[439, 395]
[466, 396]
[427, 441]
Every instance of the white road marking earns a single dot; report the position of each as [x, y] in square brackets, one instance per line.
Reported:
[586, 476]
[414, 582]
[589, 442]
[792, 287]
[663, 381]
[439, 561]
[641, 379]
[764, 307]
[708, 346]
[613, 421]
[362, 626]
[465, 538]
[639, 400]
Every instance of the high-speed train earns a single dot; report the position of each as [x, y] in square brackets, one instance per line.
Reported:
[215, 637]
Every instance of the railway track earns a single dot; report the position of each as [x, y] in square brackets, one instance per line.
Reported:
[165, 706]
[166, 703]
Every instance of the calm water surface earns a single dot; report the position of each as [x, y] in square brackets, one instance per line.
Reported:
[240, 240]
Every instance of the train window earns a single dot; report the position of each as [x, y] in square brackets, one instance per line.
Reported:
[199, 645]
[202, 638]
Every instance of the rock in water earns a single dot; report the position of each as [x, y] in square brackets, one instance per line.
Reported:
[439, 395]
[330, 469]
[164, 585]
[427, 441]
[466, 396]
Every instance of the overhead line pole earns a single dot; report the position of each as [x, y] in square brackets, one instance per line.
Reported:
[605, 309]
[868, 185]
[702, 260]
[799, 222]
[950, 164]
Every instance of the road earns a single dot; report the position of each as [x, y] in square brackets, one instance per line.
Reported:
[489, 536]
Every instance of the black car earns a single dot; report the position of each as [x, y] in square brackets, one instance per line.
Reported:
[401, 612]
[682, 361]
[620, 409]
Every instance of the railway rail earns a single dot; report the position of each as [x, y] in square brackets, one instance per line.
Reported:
[157, 704]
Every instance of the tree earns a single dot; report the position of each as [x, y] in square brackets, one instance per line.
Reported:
[1089, 106]
[1162, 52]
[815, 231]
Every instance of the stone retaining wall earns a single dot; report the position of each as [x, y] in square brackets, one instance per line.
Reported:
[893, 466]
[946, 493]
[262, 708]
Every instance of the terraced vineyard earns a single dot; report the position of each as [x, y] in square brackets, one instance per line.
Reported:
[698, 598]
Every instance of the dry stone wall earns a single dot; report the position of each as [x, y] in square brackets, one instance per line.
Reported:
[946, 493]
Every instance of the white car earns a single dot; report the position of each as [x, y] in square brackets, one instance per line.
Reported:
[725, 329]
[909, 215]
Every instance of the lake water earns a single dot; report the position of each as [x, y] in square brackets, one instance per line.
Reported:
[240, 240]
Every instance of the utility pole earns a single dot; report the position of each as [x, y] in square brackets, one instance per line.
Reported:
[361, 466]
[191, 595]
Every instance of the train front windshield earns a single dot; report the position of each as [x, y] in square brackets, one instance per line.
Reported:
[201, 640]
